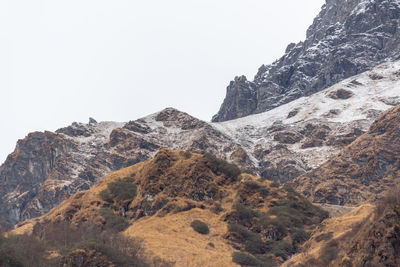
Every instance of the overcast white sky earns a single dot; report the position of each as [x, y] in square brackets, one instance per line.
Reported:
[63, 61]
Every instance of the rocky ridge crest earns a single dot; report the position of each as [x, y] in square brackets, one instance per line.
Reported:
[346, 38]
[277, 145]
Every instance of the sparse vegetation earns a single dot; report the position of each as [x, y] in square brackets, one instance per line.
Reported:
[217, 208]
[113, 222]
[299, 236]
[244, 259]
[244, 212]
[277, 233]
[123, 189]
[120, 190]
[32, 251]
[324, 237]
[229, 169]
[105, 195]
[200, 227]
[329, 252]
[253, 185]
[185, 154]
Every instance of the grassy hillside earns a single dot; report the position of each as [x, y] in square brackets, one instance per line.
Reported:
[240, 220]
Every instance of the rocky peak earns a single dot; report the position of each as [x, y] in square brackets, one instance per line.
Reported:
[346, 38]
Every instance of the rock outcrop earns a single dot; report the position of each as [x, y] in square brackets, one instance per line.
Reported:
[278, 145]
[364, 171]
[346, 38]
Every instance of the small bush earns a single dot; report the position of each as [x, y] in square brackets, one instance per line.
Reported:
[390, 201]
[217, 208]
[105, 195]
[242, 232]
[123, 189]
[113, 221]
[7, 258]
[244, 259]
[252, 185]
[200, 227]
[257, 246]
[244, 212]
[283, 249]
[299, 236]
[230, 170]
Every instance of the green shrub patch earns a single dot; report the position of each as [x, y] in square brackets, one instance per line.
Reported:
[200, 227]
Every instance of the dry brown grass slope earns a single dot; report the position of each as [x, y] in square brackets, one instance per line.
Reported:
[157, 201]
[368, 236]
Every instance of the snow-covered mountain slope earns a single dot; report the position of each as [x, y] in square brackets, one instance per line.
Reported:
[347, 37]
[279, 145]
[301, 135]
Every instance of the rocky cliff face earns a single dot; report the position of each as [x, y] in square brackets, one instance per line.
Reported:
[347, 37]
[363, 171]
[46, 168]
[277, 145]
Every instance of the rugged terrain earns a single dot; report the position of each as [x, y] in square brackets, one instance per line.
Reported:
[362, 172]
[367, 236]
[246, 219]
[347, 37]
[278, 145]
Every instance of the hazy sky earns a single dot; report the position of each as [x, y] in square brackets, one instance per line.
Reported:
[63, 61]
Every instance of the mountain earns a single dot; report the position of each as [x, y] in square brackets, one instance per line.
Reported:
[191, 209]
[367, 236]
[348, 37]
[363, 171]
[278, 145]
[46, 168]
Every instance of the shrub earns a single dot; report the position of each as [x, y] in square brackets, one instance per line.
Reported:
[252, 185]
[244, 212]
[325, 236]
[257, 246]
[390, 201]
[242, 232]
[113, 221]
[299, 236]
[7, 258]
[116, 247]
[105, 195]
[21, 250]
[283, 249]
[244, 259]
[217, 208]
[230, 170]
[200, 227]
[123, 189]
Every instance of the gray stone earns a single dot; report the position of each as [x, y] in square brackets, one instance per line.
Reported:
[346, 38]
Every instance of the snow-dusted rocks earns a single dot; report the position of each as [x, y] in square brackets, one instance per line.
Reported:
[346, 38]
[279, 144]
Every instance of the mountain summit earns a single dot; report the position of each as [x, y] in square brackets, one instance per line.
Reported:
[346, 38]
